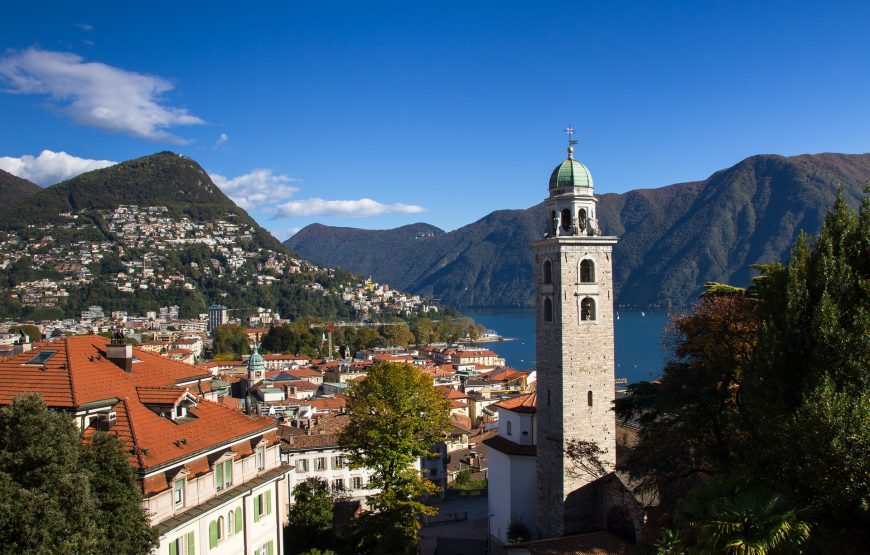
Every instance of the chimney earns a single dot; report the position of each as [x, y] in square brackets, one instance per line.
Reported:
[120, 353]
[21, 345]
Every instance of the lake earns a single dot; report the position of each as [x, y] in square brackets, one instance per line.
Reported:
[639, 354]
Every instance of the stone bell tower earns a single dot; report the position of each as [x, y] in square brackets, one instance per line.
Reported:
[574, 336]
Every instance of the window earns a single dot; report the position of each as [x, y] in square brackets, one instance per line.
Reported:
[178, 493]
[337, 462]
[587, 271]
[338, 485]
[509, 426]
[179, 410]
[356, 482]
[548, 310]
[548, 271]
[262, 505]
[41, 358]
[587, 309]
[589, 398]
[267, 548]
[231, 523]
[223, 474]
[261, 458]
[320, 464]
[566, 219]
[183, 545]
[302, 465]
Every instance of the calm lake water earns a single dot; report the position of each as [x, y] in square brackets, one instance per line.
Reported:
[639, 354]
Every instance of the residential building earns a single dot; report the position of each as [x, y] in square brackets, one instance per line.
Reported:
[211, 477]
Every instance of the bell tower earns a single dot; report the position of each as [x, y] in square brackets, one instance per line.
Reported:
[574, 338]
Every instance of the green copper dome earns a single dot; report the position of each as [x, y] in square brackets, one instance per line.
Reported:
[256, 362]
[570, 173]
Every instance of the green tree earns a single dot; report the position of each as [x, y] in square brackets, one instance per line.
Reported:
[396, 416]
[231, 339]
[398, 336]
[771, 383]
[310, 519]
[29, 329]
[58, 495]
[424, 331]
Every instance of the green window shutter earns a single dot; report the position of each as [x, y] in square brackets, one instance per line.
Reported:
[270, 547]
[239, 521]
[173, 548]
[268, 502]
[219, 476]
[230, 472]
[212, 534]
[191, 544]
[257, 508]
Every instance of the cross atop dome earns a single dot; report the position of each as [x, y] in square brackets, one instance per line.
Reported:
[571, 141]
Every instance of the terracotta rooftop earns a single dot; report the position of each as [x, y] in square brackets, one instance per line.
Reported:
[520, 403]
[78, 373]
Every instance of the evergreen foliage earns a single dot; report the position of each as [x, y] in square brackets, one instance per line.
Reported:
[768, 394]
[396, 416]
[58, 495]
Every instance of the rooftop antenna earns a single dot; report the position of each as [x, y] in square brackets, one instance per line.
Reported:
[571, 141]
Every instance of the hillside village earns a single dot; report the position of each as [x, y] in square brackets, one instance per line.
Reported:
[134, 249]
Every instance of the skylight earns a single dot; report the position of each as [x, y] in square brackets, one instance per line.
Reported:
[41, 357]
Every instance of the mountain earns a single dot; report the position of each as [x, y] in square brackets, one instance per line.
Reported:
[13, 189]
[672, 239]
[162, 179]
[155, 232]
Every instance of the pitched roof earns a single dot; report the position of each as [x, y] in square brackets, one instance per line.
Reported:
[520, 403]
[79, 373]
[507, 446]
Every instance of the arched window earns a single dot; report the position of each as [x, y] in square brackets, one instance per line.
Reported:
[221, 533]
[231, 523]
[587, 271]
[589, 398]
[548, 272]
[587, 309]
[581, 219]
[548, 310]
[566, 219]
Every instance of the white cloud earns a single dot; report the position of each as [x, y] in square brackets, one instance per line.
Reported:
[361, 208]
[96, 94]
[259, 188]
[221, 140]
[50, 167]
[85, 26]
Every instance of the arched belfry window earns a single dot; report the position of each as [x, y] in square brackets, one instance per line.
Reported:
[548, 271]
[589, 398]
[587, 271]
[587, 309]
[566, 220]
[548, 309]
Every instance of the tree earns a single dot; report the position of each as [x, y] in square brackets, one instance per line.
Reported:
[399, 336]
[310, 519]
[29, 329]
[770, 386]
[424, 331]
[58, 495]
[231, 339]
[396, 416]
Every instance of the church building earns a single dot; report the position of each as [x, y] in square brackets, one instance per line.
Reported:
[573, 403]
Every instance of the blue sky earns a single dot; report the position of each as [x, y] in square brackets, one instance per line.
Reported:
[382, 114]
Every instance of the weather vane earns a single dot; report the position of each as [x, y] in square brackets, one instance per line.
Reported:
[571, 141]
[570, 132]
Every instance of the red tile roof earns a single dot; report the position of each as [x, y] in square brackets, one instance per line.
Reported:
[79, 373]
[520, 403]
